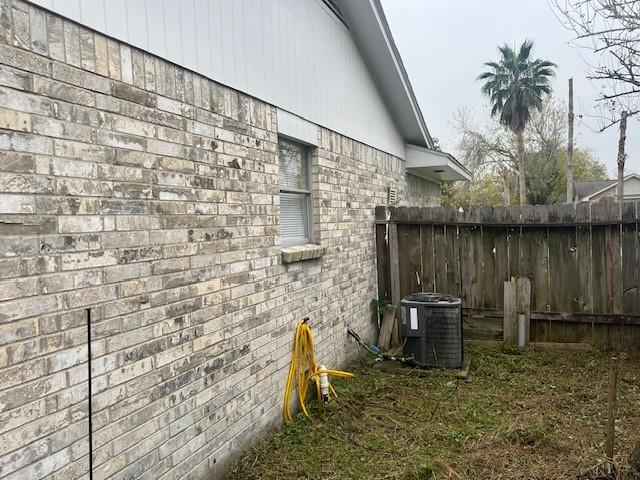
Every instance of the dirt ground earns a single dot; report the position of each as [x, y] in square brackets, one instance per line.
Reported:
[518, 416]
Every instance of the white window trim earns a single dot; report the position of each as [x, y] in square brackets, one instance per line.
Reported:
[308, 198]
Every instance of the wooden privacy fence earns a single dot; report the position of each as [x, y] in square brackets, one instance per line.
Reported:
[583, 262]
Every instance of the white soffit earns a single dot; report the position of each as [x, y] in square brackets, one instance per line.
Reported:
[297, 128]
[434, 165]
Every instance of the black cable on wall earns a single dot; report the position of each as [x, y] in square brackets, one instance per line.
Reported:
[90, 394]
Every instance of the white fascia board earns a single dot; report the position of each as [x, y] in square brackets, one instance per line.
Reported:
[297, 128]
[434, 165]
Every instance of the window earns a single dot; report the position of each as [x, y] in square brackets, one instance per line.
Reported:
[295, 193]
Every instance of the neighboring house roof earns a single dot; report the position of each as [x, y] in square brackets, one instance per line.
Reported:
[589, 188]
[585, 191]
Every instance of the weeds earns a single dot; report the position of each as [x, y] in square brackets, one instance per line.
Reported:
[520, 416]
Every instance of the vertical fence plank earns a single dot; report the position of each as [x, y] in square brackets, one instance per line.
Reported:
[534, 254]
[630, 268]
[489, 259]
[382, 257]
[502, 262]
[394, 278]
[585, 284]
[631, 273]
[466, 264]
[613, 270]
[440, 258]
[409, 259]
[513, 236]
[600, 333]
[453, 261]
[428, 268]
[476, 290]
[563, 285]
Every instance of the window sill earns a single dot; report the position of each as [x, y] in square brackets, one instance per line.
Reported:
[299, 253]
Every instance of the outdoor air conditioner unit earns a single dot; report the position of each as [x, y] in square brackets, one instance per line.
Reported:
[432, 329]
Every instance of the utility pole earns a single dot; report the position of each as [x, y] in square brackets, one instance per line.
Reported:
[622, 157]
[570, 195]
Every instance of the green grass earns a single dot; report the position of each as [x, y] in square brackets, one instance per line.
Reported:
[528, 416]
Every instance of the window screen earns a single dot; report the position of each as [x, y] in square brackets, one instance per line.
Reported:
[295, 219]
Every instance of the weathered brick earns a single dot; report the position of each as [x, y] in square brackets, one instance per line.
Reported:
[102, 55]
[133, 94]
[121, 140]
[23, 102]
[80, 78]
[55, 36]
[87, 50]
[6, 21]
[23, 142]
[23, 60]
[126, 63]
[72, 44]
[21, 38]
[25, 308]
[62, 91]
[12, 120]
[76, 261]
[80, 224]
[75, 186]
[16, 204]
[21, 183]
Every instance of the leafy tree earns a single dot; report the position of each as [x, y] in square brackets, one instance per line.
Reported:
[489, 152]
[516, 85]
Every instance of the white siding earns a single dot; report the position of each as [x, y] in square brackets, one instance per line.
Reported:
[632, 188]
[294, 54]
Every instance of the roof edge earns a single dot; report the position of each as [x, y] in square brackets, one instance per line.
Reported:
[404, 76]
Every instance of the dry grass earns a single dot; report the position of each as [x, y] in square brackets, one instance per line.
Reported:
[529, 416]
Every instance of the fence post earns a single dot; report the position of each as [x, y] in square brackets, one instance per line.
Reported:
[394, 274]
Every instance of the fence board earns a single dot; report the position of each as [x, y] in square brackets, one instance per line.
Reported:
[440, 257]
[476, 292]
[490, 292]
[384, 289]
[453, 260]
[410, 261]
[585, 281]
[513, 236]
[428, 268]
[630, 270]
[466, 264]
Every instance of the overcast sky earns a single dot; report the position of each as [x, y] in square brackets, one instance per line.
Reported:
[444, 43]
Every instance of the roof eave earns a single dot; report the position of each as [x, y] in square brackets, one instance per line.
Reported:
[369, 26]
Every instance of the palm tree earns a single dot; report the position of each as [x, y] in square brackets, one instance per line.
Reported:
[515, 85]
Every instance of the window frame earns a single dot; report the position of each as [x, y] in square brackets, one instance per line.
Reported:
[305, 193]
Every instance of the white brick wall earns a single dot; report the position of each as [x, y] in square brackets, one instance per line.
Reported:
[149, 195]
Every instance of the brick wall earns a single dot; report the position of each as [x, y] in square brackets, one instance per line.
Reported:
[147, 195]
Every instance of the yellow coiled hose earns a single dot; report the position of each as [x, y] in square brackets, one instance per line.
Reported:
[303, 369]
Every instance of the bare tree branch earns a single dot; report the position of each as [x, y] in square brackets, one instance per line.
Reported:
[611, 29]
